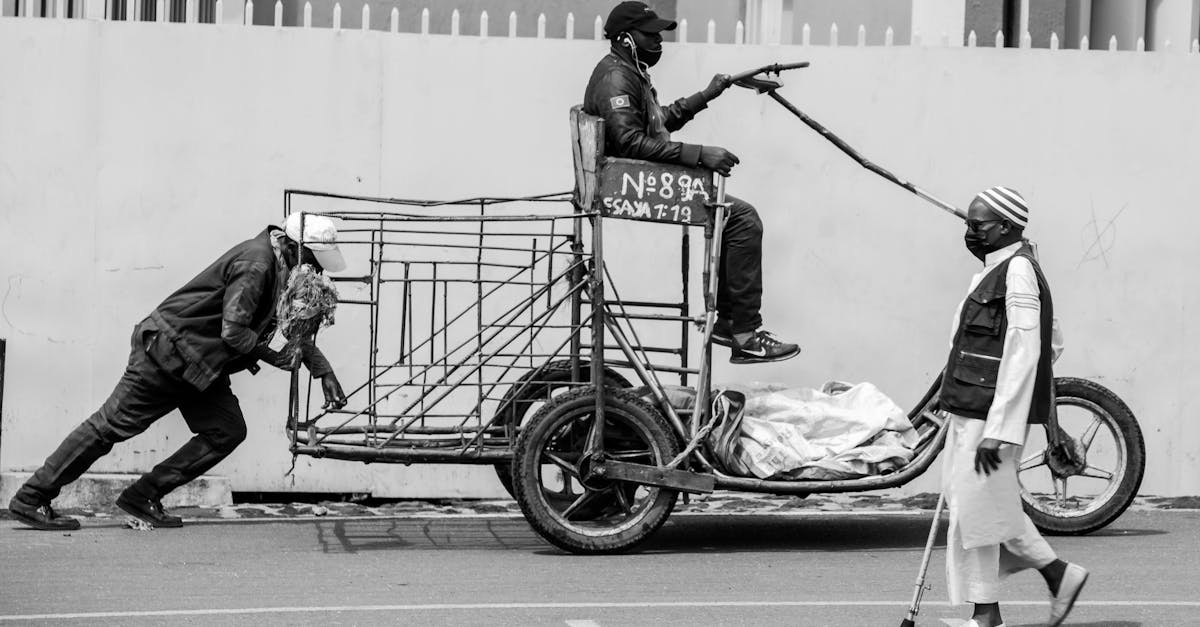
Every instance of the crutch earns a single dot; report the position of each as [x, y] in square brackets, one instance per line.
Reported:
[915, 608]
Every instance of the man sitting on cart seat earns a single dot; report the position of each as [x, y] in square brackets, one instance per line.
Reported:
[637, 127]
[997, 381]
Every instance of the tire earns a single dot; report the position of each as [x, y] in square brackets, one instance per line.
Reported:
[609, 516]
[1109, 417]
[523, 397]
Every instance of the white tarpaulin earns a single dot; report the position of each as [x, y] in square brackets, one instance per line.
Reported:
[841, 431]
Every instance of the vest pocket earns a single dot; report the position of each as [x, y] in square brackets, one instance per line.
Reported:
[984, 313]
[977, 369]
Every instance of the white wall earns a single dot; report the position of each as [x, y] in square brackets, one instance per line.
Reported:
[132, 154]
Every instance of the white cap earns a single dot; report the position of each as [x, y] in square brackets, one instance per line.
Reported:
[320, 236]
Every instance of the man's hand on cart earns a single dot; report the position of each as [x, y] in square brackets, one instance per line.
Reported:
[987, 456]
[718, 159]
[335, 398]
[716, 87]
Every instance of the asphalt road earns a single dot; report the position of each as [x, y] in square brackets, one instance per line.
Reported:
[805, 569]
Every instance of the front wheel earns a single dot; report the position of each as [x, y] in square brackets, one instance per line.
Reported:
[583, 515]
[534, 389]
[1090, 481]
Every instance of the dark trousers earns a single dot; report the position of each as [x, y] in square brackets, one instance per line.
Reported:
[150, 388]
[739, 282]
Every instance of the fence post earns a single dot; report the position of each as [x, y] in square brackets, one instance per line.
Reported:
[1084, 44]
[483, 24]
[598, 29]
[833, 35]
[681, 37]
[806, 35]
[570, 25]
[425, 21]
[278, 13]
[365, 19]
[394, 22]
[862, 35]
[999, 39]
[248, 16]
[711, 36]
[337, 16]
[160, 11]
[190, 12]
[1112, 44]
[307, 15]
[1053, 41]
[512, 24]
[541, 26]
[972, 39]
[739, 34]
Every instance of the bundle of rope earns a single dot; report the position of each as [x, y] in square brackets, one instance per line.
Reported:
[307, 305]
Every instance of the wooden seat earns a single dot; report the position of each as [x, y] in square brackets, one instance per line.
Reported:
[633, 189]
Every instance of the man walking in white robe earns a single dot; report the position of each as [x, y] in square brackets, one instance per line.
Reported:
[998, 381]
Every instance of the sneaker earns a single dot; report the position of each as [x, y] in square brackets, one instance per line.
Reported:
[1068, 591]
[149, 511]
[722, 334]
[762, 347]
[41, 516]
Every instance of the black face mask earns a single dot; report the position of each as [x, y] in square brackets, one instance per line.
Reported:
[649, 57]
[641, 55]
[977, 244]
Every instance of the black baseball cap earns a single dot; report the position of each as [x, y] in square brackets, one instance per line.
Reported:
[633, 15]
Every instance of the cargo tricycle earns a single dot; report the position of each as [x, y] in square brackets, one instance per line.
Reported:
[494, 334]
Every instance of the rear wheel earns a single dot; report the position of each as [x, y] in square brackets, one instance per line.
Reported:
[532, 391]
[1090, 481]
[584, 515]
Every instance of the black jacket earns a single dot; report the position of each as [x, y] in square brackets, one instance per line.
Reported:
[635, 125]
[220, 321]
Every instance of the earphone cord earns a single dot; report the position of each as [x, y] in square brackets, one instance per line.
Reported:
[642, 68]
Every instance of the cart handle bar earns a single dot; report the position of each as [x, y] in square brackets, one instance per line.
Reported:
[769, 88]
[774, 68]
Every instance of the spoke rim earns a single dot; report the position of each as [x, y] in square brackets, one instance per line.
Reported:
[1061, 506]
[606, 509]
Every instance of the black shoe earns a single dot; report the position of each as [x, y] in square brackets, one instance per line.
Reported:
[722, 334]
[40, 516]
[147, 510]
[762, 347]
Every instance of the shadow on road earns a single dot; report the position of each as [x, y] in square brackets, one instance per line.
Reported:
[681, 534]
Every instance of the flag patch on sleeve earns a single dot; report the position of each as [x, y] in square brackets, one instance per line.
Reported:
[619, 102]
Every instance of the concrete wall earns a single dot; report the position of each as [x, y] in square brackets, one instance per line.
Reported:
[123, 173]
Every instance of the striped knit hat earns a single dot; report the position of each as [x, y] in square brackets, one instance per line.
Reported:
[1007, 203]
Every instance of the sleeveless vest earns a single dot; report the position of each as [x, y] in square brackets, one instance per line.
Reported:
[969, 381]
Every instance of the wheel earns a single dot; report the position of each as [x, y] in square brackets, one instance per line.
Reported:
[532, 390]
[604, 516]
[1089, 485]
